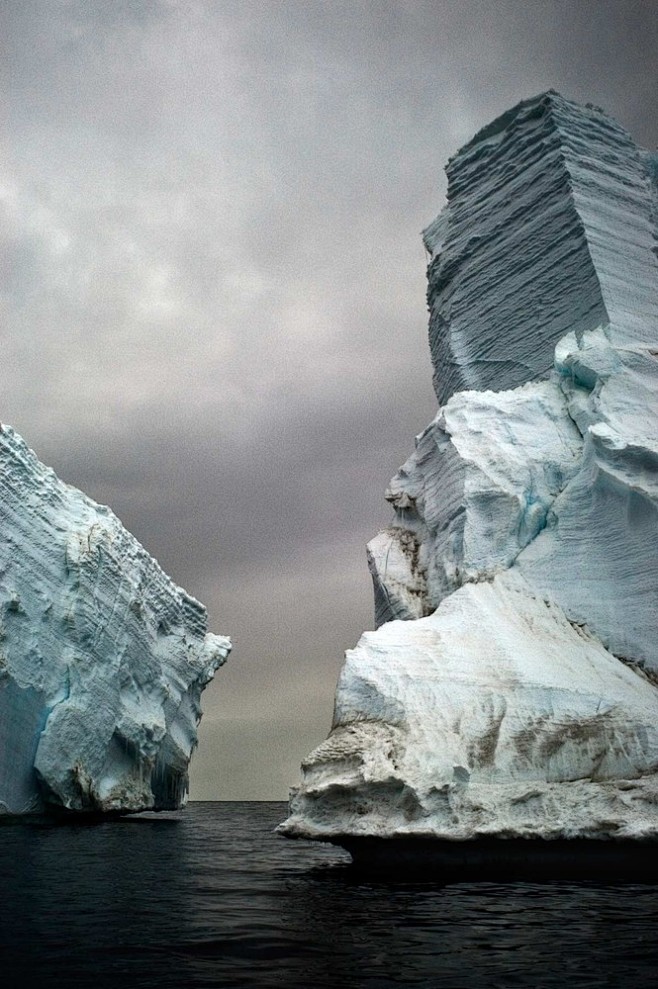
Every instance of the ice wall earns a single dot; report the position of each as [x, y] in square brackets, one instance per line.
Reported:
[510, 690]
[102, 657]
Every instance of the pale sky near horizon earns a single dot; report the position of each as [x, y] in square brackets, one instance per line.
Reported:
[214, 307]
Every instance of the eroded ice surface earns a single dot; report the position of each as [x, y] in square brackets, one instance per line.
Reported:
[510, 689]
[102, 657]
[494, 715]
[477, 490]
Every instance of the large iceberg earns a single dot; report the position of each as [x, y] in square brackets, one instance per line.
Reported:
[102, 658]
[510, 690]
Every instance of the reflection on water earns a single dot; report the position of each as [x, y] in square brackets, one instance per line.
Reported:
[211, 897]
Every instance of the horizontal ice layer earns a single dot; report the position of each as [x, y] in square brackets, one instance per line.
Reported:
[476, 491]
[493, 716]
[558, 478]
[598, 554]
[102, 658]
[547, 230]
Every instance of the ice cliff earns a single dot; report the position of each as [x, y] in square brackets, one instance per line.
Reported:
[102, 658]
[511, 687]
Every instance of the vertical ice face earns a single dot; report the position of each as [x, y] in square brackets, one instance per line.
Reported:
[547, 231]
[510, 689]
[102, 658]
[558, 476]
[476, 491]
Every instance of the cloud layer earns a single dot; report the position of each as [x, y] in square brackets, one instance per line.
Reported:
[215, 316]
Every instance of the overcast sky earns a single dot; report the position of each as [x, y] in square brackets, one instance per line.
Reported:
[214, 308]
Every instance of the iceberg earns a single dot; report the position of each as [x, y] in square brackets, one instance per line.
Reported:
[510, 690]
[102, 657]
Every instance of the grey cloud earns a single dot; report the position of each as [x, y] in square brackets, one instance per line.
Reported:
[216, 316]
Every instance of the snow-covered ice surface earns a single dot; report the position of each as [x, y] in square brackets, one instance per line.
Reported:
[102, 657]
[511, 687]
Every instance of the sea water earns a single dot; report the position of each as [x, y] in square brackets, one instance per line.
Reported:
[211, 897]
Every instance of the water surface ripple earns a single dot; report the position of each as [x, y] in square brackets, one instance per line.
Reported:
[210, 897]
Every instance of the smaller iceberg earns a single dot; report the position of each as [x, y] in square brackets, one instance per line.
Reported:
[102, 657]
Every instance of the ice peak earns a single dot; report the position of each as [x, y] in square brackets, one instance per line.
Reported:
[528, 246]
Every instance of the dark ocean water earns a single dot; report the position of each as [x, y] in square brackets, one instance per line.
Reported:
[210, 897]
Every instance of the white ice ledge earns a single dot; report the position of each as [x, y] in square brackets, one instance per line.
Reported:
[495, 716]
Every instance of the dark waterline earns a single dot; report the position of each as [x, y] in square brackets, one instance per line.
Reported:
[210, 897]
